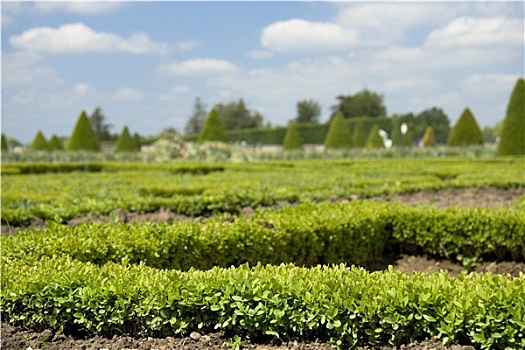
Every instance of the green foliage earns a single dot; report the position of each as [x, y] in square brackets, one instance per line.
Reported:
[83, 136]
[308, 111]
[374, 140]
[362, 104]
[513, 134]
[39, 142]
[434, 117]
[338, 135]
[213, 129]
[55, 144]
[292, 139]
[126, 143]
[235, 115]
[466, 132]
[4, 143]
[99, 125]
[429, 140]
[196, 121]
[358, 136]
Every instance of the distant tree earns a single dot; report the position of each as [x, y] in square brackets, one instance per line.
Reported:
[437, 119]
[83, 136]
[308, 111]
[338, 135]
[125, 142]
[213, 129]
[99, 126]
[374, 139]
[4, 143]
[363, 104]
[466, 132]
[39, 142]
[429, 139]
[358, 139]
[196, 121]
[55, 144]
[292, 139]
[235, 115]
[137, 141]
[513, 133]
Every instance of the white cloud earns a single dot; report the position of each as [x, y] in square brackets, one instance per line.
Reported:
[199, 66]
[468, 31]
[22, 68]
[128, 93]
[259, 54]
[80, 7]
[82, 89]
[79, 38]
[175, 92]
[188, 45]
[298, 35]
[487, 84]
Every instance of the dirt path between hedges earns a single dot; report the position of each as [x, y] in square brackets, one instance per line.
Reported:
[13, 338]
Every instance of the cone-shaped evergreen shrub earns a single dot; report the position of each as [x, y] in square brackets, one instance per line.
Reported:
[513, 134]
[396, 136]
[213, 129]
[4, 143]
[292, 139]
[125, 142]
[429, 138]
[83, 137]
[374, 140]
[358, 135]
[55, 144]
[39, 143]
[338, 135]
[466, 132]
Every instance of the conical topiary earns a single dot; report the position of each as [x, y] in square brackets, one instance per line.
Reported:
[125, 142]
[466, 132]
[374, 140]
[39, 143]
[396, 136]
[55, 144]
[429, 138]
[292, 139]
[213, 129]
[358, 136]
[4, 143]
[513, 134]
[83, 137]
[338, 135]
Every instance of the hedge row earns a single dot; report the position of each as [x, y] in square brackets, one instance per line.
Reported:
[347, 306]
[307, 235]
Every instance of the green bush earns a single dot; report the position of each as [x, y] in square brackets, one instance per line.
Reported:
[83, 137]
[4, 143]
[429, 139]
[338, 135]
[374, 140]
[466, 132]
[39, 142]
[513, 134]
[126, 143]
[55, 144]
[213, 129]
[292, 139]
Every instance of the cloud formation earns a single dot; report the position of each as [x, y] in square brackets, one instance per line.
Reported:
[79, 7]
[79, 38]
[199, 66]
[128, 93]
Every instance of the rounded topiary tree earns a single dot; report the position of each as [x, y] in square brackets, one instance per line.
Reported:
[358, 136]
[55, 144]
[513, 134]
[125, 142]
[429, 137]
[4, 143]
[39, 142]
[466, 132]
[213, 129]
[338, 135]
[292, 139]
[83, 137]
[374, 139]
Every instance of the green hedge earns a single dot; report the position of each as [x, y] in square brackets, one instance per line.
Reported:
[307, 235]
[348, 306]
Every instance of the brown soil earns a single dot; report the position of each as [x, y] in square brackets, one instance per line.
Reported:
[14, 338]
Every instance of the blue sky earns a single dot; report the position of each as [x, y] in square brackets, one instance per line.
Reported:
[144, 63]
